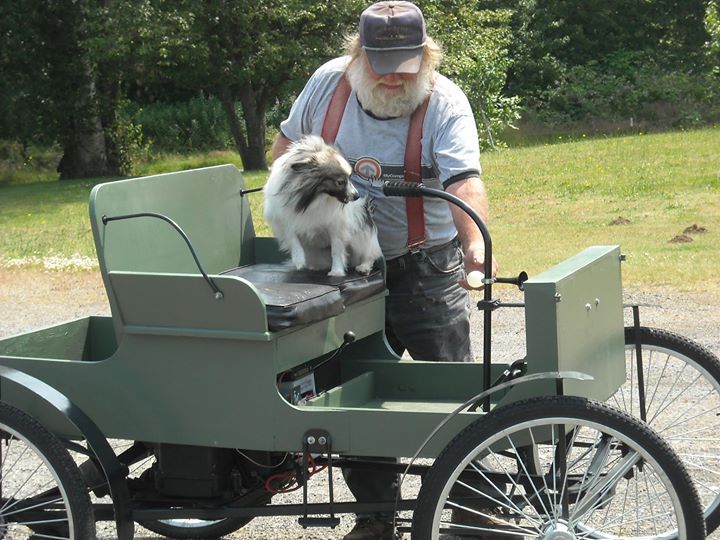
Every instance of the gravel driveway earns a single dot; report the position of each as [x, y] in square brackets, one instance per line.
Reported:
[32, 299]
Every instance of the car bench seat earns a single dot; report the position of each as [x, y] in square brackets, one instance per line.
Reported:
[294, 297]
[155, 286]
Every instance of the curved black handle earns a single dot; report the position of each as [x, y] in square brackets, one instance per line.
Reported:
[218, 293]
[403, 189]
[412, 189]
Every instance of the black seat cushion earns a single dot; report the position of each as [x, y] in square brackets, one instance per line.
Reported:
[294, 297]
[292, 304]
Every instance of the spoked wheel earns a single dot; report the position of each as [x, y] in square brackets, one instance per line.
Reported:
[596, 473]
[195, 528]
[43, 494]
[681, 380]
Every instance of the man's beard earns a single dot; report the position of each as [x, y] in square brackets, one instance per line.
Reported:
[388, 104]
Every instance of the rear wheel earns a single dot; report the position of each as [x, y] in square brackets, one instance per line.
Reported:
[600, 474]
[42, 492]
[681, 382]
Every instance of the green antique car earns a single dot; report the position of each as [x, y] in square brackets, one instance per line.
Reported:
[233, 377]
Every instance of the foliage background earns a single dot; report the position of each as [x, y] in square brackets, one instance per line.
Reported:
[101, 86]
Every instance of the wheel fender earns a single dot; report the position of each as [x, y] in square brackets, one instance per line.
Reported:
[113, 470]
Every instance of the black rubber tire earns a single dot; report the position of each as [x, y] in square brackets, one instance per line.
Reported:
[658, 459]
[214, 529]
[53, 458]
[699, 417]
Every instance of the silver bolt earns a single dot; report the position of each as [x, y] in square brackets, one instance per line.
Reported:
[311, 440]
[588, 307]
[218, 295]
[597, 302]
[322, 441]
[558, 297]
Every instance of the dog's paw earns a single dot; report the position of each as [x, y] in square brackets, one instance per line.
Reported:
[364, 268]
[336, 273]
[299, 263]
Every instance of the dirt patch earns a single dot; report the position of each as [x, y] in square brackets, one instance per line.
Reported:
[695, 229]
[681, 239]
[619, 221]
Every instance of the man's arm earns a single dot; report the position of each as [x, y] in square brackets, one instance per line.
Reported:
[280, 145]
[472, 191]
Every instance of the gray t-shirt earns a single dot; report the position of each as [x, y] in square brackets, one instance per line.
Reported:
[375, 148]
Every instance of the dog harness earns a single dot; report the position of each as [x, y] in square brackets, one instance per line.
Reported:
[413, 151]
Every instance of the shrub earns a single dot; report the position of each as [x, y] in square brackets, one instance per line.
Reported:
[19, 163]
[633, 86]
[11, 159]
[195, 125]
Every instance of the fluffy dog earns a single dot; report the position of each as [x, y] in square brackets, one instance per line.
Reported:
[316, 213]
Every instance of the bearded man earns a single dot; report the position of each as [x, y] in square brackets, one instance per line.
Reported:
[394, 99]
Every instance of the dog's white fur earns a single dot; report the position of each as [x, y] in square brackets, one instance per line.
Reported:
[316, 213]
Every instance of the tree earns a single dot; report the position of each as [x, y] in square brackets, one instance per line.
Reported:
[552, 35]
[712, 26]
[55, 88]
[246, 54]
[475, 41]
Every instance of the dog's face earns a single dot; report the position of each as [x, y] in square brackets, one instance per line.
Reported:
[329, 178]
[318, 169]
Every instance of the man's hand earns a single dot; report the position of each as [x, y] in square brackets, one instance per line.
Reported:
[475, 261]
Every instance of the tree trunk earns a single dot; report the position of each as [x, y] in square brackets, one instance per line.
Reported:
[250, 142]
[84, 154]
[84, 150]
[228, 103]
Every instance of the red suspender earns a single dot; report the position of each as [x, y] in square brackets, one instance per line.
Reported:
[413, 154]
[414, 206]
[335, 110]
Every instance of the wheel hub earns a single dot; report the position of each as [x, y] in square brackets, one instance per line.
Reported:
[558, 531]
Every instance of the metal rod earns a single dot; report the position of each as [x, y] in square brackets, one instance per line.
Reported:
[638, 359]
[331, 497]
[305, 476]
[103, 512]
[208, 279]
[244, 192]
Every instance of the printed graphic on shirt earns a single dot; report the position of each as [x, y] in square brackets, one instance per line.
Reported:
[371, 171]
[367, 168]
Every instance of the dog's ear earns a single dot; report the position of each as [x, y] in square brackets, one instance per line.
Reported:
[305, 164]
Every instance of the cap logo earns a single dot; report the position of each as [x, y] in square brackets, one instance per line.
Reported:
[392, 33]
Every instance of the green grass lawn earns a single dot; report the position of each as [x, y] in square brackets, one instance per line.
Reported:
[551, 201]
[547, 203]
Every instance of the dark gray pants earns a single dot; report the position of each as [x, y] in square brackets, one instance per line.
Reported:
[428, 314]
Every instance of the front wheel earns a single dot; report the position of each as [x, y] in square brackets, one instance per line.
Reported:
[596, 473]
[42, 494]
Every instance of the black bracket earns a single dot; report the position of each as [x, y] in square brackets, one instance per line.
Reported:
[244, 192]
[317, 441]
[489, 305]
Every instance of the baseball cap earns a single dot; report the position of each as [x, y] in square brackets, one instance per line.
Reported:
[393, 35]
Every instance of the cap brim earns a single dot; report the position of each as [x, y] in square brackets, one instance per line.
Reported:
[395, 61]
